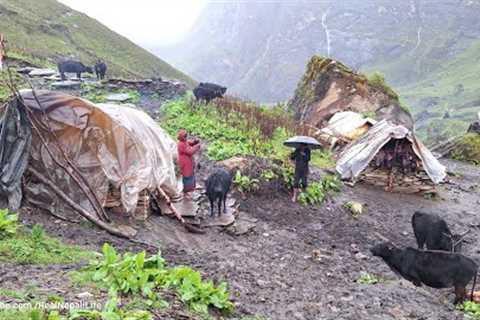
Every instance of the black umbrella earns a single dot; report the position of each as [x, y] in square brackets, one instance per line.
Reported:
[297, 141]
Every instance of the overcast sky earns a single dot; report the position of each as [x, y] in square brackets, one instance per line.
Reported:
[147, 22]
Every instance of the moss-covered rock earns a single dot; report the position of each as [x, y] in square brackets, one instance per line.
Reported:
[468, 148]
[328, 86]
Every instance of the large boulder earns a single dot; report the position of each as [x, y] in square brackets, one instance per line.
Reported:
[328, 86]
[474, 127]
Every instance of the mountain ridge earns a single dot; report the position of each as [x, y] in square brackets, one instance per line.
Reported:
[259, 50]
[46, 31]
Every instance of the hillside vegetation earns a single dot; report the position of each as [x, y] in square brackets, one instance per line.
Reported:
[427, 50]
[45, 31]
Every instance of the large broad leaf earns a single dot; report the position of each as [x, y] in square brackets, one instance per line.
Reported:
[140, 260]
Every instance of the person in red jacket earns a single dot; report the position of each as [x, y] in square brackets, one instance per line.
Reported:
[186, 149]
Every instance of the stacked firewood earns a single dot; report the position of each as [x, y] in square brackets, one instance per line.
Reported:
[113, 202]
[397, 168]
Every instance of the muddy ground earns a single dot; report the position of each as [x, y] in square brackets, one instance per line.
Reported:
[297, 263]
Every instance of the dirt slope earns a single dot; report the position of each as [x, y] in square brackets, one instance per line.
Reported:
[303, 263]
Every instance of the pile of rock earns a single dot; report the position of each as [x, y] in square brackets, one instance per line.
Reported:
[166, 89]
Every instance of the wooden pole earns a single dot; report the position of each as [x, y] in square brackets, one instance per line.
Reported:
[84, 213]
[2, 50]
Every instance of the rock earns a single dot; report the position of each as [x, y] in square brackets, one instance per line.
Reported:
[262, 283]
[127, 230]
[85, 295]
[68, 84]
[360, 256]
[239, 163]
[42, 72]
[55, 77]
[25, 70]
[328, 86]
[118, 97]
[474, 127]
[356, 208]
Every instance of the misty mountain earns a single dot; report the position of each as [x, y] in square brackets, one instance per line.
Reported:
[428, 50]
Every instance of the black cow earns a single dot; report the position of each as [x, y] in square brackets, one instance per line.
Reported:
[100, 70]
[217, 188]
[433, 231]
[436, 269]
[71, 66]
[208, 91]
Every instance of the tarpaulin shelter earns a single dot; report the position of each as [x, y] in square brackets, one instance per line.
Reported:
[109, 146]
[345, 126]
[357, 156]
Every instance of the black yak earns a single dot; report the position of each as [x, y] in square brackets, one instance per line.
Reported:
[208, 91]
[100, 70]
[217, 188]
[436, 269]
[71, 66]
[433, 231]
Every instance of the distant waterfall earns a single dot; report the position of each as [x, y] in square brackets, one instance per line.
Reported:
[327, 32]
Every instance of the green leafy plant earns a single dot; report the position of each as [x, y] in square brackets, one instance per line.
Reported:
[471, 308]
[235, 128]
[197, 293]
[245, 184]
[8, 223]
[367, 278]
[137, 274]
[269, 175]
[315, 193]
[355, 208]
[331, 183]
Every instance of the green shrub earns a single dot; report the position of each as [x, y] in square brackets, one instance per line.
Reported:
[377, 80]
[367, 278]
[315, 193]
[468, 148]
[231, 133]
[245, 184]
[8, 224]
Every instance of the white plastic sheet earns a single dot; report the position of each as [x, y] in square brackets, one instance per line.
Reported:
[112, 145]
[355, 158]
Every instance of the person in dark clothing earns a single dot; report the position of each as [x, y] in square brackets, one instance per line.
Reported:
[301, 156]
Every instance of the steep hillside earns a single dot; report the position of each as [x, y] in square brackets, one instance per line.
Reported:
[44, 31]
[428, 50]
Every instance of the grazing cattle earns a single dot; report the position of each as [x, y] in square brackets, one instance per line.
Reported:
[100, 70]
[433, 231]
[217, 188]
[208, 91]
[71, 66]
[436, 269]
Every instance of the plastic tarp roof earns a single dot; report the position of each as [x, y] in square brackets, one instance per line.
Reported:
[345, 124]
[358, 155]
[110, 144]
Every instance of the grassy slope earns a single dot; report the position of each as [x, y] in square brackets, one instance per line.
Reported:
[452, 85]
[46, 30]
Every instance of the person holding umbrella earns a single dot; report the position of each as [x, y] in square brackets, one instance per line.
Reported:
[301, 156]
